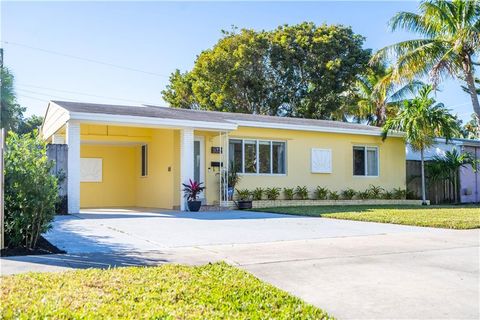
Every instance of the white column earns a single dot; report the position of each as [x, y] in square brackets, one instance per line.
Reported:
[73, 175]
[186, 161]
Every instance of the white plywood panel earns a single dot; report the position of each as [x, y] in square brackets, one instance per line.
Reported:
[91, 170]
[321, 161]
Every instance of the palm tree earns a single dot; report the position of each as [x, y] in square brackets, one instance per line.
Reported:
[422, 119]
[449, 39]
[378, 97]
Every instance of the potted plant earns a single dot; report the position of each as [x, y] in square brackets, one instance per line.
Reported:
[244, 199]
[192, 189]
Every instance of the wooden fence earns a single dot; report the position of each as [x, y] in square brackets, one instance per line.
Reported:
[437, 192]
[58, 153]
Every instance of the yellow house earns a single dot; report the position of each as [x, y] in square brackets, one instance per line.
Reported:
[137, 156]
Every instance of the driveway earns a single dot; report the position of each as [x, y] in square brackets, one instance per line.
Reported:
[351, 269]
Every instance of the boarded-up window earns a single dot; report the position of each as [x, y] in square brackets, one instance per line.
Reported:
[91, 170]
[321, 161]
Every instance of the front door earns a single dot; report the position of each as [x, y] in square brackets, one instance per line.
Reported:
[199, 162]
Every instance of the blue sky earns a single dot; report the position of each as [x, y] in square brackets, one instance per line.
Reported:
[158, 37]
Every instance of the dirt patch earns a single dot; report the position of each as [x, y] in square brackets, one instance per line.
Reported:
[43, 247]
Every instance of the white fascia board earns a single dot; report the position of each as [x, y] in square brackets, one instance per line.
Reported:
[283, 126]
[150, 121]
[55, 118]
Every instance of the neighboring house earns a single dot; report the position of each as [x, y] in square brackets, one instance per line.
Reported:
[124, 156]
[469, 186]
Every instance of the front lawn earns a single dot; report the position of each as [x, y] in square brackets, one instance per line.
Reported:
[214, 291]
[452, 217]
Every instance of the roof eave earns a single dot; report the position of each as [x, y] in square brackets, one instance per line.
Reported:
[150, 121]
[283, 126]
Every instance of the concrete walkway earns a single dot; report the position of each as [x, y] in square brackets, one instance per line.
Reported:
[351, 269]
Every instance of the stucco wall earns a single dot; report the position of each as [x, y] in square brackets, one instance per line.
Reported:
[299, 145]
[118, 180]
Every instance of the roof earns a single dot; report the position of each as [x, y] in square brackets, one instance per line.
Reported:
[227, 120]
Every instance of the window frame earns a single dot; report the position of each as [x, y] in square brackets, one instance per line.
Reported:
[144, 160]
[257, 151]
[365, 153]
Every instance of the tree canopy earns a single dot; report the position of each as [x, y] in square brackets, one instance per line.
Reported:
[448, 42]
[302, 70]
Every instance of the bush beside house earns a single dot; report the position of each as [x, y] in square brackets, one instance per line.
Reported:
[30, 190]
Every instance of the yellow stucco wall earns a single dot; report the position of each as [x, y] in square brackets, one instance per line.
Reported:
[118, 180]
[299, 145]
[124, 186]
[157, 189]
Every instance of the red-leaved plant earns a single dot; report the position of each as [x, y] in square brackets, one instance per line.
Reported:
[192, 189]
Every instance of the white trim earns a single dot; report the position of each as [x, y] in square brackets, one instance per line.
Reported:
[73, 168]
[284, 126]
[257, 144]
[186, 161]
[150, 121]
[366, 147]
[201, 175]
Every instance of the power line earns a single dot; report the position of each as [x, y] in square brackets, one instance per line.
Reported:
[85, 59]
[29, 97]
[79, 93]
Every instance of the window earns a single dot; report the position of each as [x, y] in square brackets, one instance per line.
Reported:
[257, 156]
[365, 161]
[144, 160]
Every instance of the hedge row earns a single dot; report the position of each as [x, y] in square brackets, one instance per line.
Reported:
[320, 193]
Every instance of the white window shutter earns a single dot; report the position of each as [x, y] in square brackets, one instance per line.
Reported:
[321, 160]
[91, 170]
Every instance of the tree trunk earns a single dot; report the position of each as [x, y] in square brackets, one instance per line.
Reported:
[468, 70]
[424, 197]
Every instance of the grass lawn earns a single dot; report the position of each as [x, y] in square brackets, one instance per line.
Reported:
[453, 217]
[214, 291]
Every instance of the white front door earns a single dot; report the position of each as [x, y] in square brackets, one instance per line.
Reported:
[199, 162]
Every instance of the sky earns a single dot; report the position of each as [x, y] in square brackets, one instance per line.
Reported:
[123, 52]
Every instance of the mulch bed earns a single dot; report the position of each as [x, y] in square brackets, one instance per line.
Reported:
[43, 247]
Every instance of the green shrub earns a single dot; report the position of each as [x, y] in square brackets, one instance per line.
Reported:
[375, 192]
[321, 193]
[387, 195]
[301, 192]
[363, 195]
[257, 194]
[272, 193]
[31, 191]
[244, 195]
[289, 193]
[399, 193]
[348, 194]
[333, 195]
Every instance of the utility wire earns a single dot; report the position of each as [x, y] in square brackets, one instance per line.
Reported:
[79, 93]
[85, 59]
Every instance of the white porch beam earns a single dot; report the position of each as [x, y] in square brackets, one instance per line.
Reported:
[73, 174]
[58, 139]
[186, 161]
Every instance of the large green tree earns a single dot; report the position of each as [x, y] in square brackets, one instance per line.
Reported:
[11, 112]
[302, 71]
[449, 41]
[422, 120]
[378, 96]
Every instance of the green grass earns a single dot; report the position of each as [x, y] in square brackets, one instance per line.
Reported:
[213, 291]
[452, 217]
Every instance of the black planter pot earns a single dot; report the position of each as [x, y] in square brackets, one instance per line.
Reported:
[244, 204]
[194, 205]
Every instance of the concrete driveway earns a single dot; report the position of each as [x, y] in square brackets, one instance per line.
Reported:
[351, 269]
